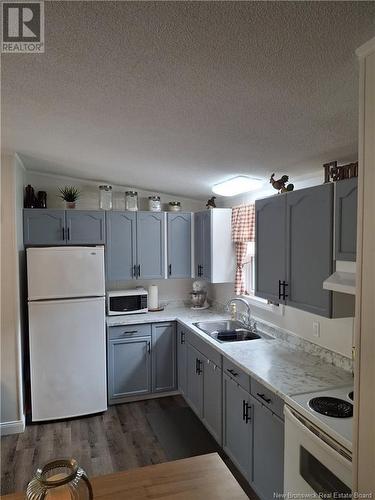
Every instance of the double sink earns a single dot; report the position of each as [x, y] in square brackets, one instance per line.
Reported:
[229, 331]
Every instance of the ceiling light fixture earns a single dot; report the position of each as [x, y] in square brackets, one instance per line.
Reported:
[237, 185]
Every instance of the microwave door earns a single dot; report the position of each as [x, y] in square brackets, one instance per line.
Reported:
[125, 304]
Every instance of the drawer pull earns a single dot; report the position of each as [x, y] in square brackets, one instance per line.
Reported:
[130, 331]
[262, 396]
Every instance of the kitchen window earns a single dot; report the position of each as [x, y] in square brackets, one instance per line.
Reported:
[249, 269]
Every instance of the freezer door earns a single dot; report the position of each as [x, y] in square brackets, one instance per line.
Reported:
[64, 272]
[67, 358]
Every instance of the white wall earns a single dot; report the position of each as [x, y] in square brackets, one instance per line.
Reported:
[335, 334]
[90, 193]
[11, 412]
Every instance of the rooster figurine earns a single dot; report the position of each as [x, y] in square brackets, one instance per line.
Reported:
[280, 184]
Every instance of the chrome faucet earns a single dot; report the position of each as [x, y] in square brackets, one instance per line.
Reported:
[243, 301]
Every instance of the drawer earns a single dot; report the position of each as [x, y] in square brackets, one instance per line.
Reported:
[128, 331]
[268, 398]
[232, 370]
[202, 346]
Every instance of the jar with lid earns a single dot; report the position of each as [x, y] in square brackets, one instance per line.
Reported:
[154, 204]
[131, 201]
[105, 197]
[174, 206]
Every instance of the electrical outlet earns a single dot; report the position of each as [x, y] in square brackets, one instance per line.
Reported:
[316, 328]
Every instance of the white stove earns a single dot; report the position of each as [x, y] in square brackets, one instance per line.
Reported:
[317, 452]
[339, 428]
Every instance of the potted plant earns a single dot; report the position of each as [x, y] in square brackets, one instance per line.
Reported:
[70, 195]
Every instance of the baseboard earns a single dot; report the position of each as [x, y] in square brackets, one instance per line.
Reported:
[13, 427]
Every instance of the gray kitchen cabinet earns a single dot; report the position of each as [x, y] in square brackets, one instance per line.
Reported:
[181, 360]
[44, 227]
[267, 475]
[194, 381]
[309, 248]
[85, 227]
[179, 245]
[163, 357]
[120, 245]
[129, 368]
[270, 247]
[237, 425]
[346, 219]
[150, 245]
[212, 399]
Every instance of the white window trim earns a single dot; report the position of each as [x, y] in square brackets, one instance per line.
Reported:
[258, 302]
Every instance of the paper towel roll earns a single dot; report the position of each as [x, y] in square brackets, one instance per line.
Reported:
[153, 297]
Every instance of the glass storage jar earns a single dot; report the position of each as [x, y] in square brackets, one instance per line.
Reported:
[131, 201]
[154, 204]
[60, 480]
[174, 206]
[105, 197]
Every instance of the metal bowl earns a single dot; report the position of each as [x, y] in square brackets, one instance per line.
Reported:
[198, 298]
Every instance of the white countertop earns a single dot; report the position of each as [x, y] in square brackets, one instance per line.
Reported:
[275, 363]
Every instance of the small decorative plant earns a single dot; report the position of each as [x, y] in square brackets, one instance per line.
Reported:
[70, 195]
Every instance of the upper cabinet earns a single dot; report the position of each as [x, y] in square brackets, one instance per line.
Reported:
[63, 227]
[270, 247]
[346, 219]
[150, 245]
[179, 245]
[135, 245]
[214, 249]
[85, 227]
[121, 246]
[294, 248]
[309, 248]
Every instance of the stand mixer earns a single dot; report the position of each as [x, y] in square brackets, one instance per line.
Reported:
[199, 295]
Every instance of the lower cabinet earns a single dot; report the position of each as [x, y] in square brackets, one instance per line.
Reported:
[181, 360]
[267, 475]
[129, 367]
[237, 425]
[141, 360]
[204, 389]
[212, 402]
[163, 357]
[194, 379]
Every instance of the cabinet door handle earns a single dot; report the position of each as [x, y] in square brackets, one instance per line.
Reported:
[198, 364]
[63, 233]
[68, 229]
[149, 347]
[243, 409]
[139, 270]
[170, 270]
[285, 285]
[232, 372]
[134, 271]
[247, 413]
[182, 337]
[262, 396]
[279, 289]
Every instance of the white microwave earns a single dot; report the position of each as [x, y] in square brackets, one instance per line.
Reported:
[127, 301]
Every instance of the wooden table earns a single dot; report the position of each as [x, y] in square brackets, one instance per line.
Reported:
[205, 477]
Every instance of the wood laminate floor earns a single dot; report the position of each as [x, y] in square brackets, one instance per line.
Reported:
[119, 439]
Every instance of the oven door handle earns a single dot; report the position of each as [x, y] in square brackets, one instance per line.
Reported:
[324, 441]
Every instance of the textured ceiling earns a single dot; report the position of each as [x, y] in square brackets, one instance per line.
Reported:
[176, 96]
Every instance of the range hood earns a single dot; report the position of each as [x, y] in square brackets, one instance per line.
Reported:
[343, 279]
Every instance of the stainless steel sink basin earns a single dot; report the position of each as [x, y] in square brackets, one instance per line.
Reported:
[229, 331]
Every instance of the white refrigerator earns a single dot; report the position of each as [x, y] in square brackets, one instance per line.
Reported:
[67, 341]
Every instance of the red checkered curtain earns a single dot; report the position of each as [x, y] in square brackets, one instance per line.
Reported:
[243, 231]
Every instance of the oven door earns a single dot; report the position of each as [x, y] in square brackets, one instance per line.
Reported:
[126, 304]
[314, 463]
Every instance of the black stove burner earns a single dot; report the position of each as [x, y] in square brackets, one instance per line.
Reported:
[351, 395]
[332, 407]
